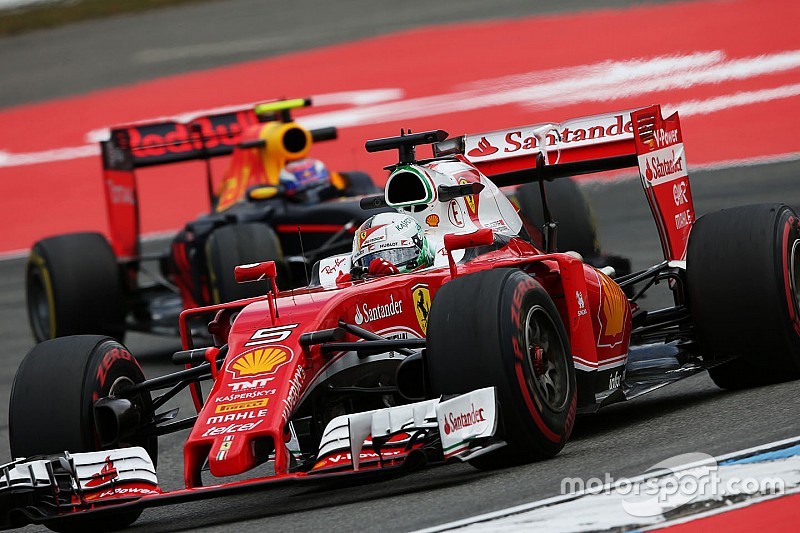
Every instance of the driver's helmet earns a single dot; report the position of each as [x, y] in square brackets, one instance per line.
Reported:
[394, 237]
[304, 176]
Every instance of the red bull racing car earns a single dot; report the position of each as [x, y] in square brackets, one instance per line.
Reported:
[485, 355]
[273, 202]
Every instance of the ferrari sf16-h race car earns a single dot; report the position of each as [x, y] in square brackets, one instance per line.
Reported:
[485, 356]
[273, 202]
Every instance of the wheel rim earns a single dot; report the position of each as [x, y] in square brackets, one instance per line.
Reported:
[120, 385]
[545, 359]
[39, 307]
[794, 275]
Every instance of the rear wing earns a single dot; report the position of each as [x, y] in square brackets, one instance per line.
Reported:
[157, 143]
[640, 138]
[147, 144]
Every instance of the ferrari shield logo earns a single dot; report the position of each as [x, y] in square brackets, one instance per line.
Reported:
[422, 305]
[470, 199]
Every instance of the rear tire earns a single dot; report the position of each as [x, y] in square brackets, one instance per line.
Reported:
[577, 230]
[51, 409]
[743, 277]
[470, 347]
[359, 184]
[242, 244]
[73, 286]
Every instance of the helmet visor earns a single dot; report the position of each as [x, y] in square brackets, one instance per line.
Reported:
[397, 256]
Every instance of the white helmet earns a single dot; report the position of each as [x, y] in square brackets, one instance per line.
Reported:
[394, 237]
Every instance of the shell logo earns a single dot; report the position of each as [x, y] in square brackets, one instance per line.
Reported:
[613, 310]
[259, 361]
[432, 220]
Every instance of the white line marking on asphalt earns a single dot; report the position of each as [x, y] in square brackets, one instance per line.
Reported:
[549, 507]
[603, 81]
[728, 101]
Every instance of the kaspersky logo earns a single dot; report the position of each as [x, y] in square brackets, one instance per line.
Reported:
[483, 149]
[259, 361]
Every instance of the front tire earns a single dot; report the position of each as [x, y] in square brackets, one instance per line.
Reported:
[51, 409]
[73, 286]
[515, 341]
[743, 277]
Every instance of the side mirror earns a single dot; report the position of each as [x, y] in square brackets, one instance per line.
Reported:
[263, 192]
[462, 241]
[255, 272]
[258, 272]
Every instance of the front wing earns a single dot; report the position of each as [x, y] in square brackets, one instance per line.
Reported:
[372, 443]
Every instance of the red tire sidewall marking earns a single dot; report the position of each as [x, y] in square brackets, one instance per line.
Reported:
[520, 291]
[787, 275]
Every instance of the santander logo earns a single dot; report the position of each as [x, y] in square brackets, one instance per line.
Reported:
[454, 422]
[371, 314]
[665, 167]
[483, 149]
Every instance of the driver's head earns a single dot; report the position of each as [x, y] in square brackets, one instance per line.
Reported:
[304, 177]
[390, 243]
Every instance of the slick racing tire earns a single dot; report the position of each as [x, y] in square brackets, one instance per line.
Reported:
[513, 340]
[359, 184]
[743, 279]
[51, 409]
[241, 244]
[577, 230]
[73, 286]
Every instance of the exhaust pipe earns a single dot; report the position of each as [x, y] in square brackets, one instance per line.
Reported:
[115, 419]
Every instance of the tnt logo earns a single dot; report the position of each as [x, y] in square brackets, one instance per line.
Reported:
[245, 385]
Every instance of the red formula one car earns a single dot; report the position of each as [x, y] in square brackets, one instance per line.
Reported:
[271, 194]
[485, 354]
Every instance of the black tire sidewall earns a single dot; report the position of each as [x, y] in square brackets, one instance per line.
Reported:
[471, 347]
[577, 230]
[85, 290]
[787, 236]
[52, 398]
[750, 328]
[533, 417]
[239, 244]
[359, 184]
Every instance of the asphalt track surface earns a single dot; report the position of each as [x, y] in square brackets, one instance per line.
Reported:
[622, 440]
